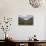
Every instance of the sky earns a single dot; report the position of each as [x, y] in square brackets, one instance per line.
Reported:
[26, 17]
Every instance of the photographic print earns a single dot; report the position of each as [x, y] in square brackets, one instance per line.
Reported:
[25, 20]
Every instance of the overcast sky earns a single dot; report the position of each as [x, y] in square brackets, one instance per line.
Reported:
[26, 17]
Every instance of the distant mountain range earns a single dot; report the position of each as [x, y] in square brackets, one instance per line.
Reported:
[26, 17]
